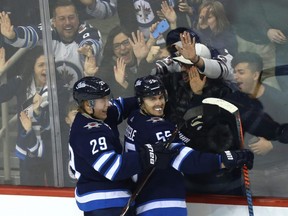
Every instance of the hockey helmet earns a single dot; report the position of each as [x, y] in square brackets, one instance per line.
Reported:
[90, 88]
[149, 86]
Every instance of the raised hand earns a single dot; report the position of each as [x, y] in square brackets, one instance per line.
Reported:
[185, 8]
[196, 83]
[139, 45]
[86, 50]
[188, 49]
[119, 72]
[90, 66]
[169, 14]
[6, 26]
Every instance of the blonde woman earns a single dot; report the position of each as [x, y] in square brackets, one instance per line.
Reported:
[214, 28]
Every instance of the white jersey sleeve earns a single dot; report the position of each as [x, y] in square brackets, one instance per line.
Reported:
[219, 68]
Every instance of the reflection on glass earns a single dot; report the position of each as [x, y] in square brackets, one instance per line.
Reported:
[261, 30]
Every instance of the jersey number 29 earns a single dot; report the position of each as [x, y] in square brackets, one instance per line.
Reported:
[100, 145]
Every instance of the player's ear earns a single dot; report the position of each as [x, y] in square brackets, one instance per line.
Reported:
[87, 106]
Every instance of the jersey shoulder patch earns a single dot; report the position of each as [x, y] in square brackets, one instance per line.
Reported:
[155, 119]
[92, 125]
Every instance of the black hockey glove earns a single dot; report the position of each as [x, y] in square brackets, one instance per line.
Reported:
[237, 158]
[156, 155]
[164, 155]
[147, 156]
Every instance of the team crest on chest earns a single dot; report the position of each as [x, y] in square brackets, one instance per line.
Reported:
[155, 119]
[92, 125]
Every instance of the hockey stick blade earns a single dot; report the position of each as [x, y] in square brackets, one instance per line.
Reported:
[231, 108]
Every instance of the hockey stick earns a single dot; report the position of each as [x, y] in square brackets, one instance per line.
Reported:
[147, 177]
[234, 110]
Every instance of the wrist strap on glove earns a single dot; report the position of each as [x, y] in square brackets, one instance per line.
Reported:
[237, 158]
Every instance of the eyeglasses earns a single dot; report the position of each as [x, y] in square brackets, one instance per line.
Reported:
[117, 46]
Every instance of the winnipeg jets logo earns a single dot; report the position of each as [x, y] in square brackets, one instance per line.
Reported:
[144, 12]
[155, 119]
[92, 125]
[68, 72]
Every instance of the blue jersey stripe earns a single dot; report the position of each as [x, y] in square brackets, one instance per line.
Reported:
[102, 199]
[184, 152]
[169, 207]
[112, 171]
[101, 160]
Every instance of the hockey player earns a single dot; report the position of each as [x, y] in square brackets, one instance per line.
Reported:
[103, 186]
[164, 193]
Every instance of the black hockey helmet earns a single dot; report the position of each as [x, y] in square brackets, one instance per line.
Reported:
[90, 88]
[149, 86]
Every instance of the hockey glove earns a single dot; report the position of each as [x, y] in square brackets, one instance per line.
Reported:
[147, 156]
[156, 155]
[164, 155]
[237, 158]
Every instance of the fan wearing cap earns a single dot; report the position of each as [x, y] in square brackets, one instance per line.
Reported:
[97, 161]
[214, 66]
[191, 73]
[207, 64]
[194, 85]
